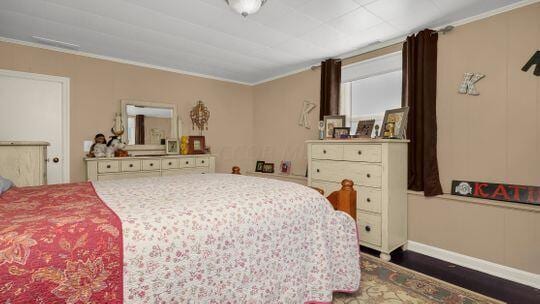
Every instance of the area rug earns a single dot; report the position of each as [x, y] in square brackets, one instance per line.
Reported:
[384, 282]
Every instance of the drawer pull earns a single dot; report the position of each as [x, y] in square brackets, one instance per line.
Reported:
[131, 165]
[170, 163]
[318, 170]
[187, 163]
[151, 164]
[367, 228]
[359, 152]
[368, 200]
[108, 166]
[324, 151]
[368, 175]
[202, 162]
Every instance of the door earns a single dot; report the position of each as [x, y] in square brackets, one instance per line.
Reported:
[34, 107]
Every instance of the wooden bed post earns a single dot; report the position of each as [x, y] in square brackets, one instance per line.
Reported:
[342, 200]
[345, 198]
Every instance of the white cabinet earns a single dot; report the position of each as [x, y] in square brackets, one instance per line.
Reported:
[378, 168]
[148, 166]
[24, 163]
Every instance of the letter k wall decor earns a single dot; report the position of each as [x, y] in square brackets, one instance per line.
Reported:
[468, 84]
[535, 60]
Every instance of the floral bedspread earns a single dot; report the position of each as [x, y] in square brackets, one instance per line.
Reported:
[220, 238]
[59, 244]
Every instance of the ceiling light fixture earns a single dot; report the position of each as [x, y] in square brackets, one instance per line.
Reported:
[246, 7]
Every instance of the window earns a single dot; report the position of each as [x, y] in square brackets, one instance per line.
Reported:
[369, 88]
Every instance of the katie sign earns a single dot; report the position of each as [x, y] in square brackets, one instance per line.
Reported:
[499, 192]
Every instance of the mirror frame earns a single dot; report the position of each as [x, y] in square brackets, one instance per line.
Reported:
[174, 122]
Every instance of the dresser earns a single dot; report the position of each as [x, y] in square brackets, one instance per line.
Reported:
[378, 168]
[24, 162]
[98, 169]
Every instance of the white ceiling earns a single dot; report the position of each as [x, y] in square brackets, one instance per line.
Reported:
[206, 37]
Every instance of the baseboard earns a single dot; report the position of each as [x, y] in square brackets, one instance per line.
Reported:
[501, 271]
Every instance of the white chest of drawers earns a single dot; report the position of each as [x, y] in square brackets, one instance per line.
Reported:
[98, 169]
[24, 163]
[379, 171]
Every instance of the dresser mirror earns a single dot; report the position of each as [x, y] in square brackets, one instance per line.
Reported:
[148, 124]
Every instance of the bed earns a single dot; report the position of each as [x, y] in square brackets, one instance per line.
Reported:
[215, 238]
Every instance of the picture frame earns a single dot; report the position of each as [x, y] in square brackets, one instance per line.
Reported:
[196, 145]
[285, 167]
[331, 122]
[259, 166]
[398, 118]
[268, 168]
[172, 146]
[341, 132]
[364, 129]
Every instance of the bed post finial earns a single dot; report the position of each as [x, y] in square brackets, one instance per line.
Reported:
[345, 198]
[236, 170]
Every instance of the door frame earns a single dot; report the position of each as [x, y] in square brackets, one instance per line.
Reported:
[64, 81]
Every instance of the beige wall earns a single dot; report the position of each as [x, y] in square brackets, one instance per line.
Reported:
[491, 137]
[97, 86]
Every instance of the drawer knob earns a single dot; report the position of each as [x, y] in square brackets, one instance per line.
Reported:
[151, 164]
[368, 175]
[324, 151]
[318, 170]
[359, 152]
[367, 228]
[170, 163]
[187, 163]
[368, 200]
[131, 165]
[108, 166]
[202, 162]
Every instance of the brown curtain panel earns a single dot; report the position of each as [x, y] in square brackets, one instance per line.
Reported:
[330, 84]
[419, 94]
[139, 129]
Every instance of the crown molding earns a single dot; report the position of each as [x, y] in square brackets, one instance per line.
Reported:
[118, 60]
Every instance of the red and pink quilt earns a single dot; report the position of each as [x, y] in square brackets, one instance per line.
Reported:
[59, 244]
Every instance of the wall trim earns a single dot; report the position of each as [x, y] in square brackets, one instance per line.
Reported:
[501, 271]
[117, 60]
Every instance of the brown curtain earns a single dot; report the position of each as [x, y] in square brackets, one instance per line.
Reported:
[419, 94]
[139, 129]
[330, 84]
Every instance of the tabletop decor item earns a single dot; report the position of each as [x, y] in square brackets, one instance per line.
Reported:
[259, 166]
[200, 116]
[341, 132]
[172, 146]
[331, 122]
[365, 128]
[468, 84]
[196, 145]
[184, 145]
[498, 192]
[268, 168]
[395, 123]
[321, 130]
[118, 126]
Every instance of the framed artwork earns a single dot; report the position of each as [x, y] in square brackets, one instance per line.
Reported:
[196, 145]
[172, 146]
[365, 128]
[268, 168]
[395, 123]
[285, 167]
[341, 132]
[331, 122]
[259, 166]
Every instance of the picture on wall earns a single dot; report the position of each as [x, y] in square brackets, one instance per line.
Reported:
[331, 122]
[259, 166]
[395, 123]
[285, 167]
[268, 168]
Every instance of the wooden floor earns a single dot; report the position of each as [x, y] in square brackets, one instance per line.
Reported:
[494, 287]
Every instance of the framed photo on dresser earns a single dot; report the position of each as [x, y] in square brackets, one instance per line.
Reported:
[196, 145]
[331, 122]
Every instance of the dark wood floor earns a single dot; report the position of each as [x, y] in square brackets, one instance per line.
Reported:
[494, 287]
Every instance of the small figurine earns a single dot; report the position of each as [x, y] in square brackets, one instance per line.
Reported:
[98, 149]
[116, 148]
[376, 131]
[321, 130]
